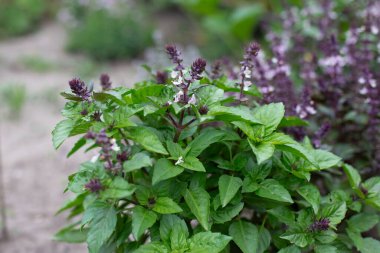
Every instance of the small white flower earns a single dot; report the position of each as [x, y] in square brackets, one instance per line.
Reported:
[310, 110]
[169, 102]
[267, 89]
[247, 72]
[361, 80]
[95, 158]
[247, 83]
[284, 69]
[303, 114]
[274, 60]
[178, 81]
[114, 146]
[174, 74]
[178, 96]
[332, 61]
[298, 109]
[179, 161]
[192, 100]
[363, 91]
[373, 83]
[374, 30]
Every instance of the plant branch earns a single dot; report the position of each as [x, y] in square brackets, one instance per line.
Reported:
[124, 136]
[170, 117]
[188, 123]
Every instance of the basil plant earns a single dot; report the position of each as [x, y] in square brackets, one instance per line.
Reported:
[189, 161]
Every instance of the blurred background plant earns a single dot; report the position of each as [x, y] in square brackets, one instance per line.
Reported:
[322, 63]
[107, 30]
[225, 25]
[21, 16]
[13, 97]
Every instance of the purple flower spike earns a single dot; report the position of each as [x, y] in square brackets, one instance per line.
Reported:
[320, 225]
[79, 88]
[252, 50]
[174, 55]
[306, 107]
[216, 69]
[161, 77]
[105, 82]
[197, 68]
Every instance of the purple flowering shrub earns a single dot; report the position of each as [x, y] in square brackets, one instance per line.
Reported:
[191, 162]
[323, 65]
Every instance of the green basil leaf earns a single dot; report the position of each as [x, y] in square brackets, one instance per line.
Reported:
[142, 219]
[198, 200]
[165, 169]
[228, 187]
[245, 235]
[165, 205]
[272, 189]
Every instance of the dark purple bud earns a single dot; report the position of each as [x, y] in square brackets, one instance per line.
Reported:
[253, 49]
[203, 110]
[90, 135]
[97, 116]
[105, 82]
[251, 52]
[79, 88]
[122, 157]
[84, 112]
[216, 69]
[174, 55]
[161, 77]
[102, 138]
[363, 190]
[151, 201]
[197, 68]
[94, 185]
[320, 225]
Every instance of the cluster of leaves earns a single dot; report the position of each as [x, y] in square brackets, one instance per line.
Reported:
[190, 163]
[107, 30]
[21, 16]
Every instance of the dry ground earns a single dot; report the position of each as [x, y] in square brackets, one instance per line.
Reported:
[35, 174]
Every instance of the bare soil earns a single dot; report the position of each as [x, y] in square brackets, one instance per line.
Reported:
[35, 174]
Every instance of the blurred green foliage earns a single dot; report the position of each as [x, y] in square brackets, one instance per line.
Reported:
[37, 64]
[13, 98]
[20, 16]
[104, 33]
[226, 25]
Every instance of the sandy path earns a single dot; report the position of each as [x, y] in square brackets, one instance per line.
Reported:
[35, 174]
